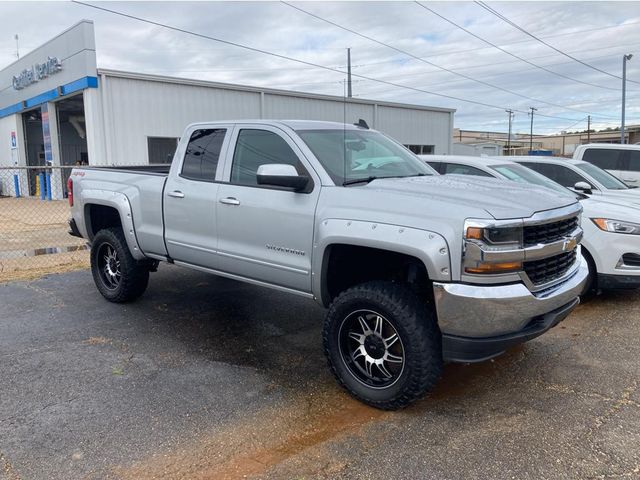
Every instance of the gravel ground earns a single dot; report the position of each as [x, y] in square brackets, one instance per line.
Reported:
[208, 378]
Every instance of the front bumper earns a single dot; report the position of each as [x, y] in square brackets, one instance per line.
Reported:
[618, 282]
[471, 350]
[493, 310]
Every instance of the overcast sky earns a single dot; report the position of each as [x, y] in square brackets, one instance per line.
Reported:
[597, 33]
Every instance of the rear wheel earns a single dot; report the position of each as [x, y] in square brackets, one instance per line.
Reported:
[383, 344]
[117, 275]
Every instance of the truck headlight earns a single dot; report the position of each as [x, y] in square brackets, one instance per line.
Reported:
[617, 226]
[491, 235]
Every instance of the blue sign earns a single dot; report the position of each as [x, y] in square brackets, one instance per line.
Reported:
[14, 142]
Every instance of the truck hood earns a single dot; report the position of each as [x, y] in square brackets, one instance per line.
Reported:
[499, 198]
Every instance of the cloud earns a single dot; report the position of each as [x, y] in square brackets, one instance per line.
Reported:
[575, 27]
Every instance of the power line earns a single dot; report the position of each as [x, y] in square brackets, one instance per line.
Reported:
[513, 24]
[512, 54]
[305, 62]
[404, 52]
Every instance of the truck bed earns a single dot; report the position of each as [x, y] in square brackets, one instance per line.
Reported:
[162, 169]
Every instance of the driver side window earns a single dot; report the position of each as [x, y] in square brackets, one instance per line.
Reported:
[260, 147]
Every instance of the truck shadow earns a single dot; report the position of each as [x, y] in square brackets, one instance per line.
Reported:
[276, 333]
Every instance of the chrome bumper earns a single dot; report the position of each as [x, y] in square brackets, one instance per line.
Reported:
[486, 311]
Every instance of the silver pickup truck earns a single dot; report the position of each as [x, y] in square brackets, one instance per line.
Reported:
[415, 268]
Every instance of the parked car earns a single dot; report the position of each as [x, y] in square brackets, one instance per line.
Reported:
[580, 176]
[622, 161]
[350, 218]
[611, 242]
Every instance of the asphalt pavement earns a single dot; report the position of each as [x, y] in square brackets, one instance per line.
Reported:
[205, 377]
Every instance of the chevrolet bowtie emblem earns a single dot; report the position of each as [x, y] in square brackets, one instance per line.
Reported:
[569, 245]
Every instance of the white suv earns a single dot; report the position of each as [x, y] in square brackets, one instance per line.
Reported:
[623, 161]
[611, 242]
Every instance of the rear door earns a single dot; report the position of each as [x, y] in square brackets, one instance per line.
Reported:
[190, 198]
[609, 159]
[265, 233]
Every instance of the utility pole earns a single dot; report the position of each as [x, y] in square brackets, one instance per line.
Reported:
[17, 48]
[589, 129]
[349, 92]
[533, 109]
[624, 91]
[510, 112]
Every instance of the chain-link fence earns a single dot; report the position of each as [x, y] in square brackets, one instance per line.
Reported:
[34, 211]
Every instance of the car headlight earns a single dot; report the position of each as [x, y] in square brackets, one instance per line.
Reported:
[617, 226]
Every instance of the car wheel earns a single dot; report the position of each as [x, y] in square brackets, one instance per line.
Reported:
[383, 344]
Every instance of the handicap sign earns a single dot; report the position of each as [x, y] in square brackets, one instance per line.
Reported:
[14, 143]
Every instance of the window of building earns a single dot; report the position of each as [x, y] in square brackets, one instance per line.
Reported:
[161, 149]
[421, 149]
[459, 169]
[260, 147]
[203, 151]
[605, 158]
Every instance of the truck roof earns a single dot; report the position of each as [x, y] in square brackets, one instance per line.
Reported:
[293, 124]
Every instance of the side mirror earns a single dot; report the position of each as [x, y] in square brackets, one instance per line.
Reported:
[583, 187]
[282, 175]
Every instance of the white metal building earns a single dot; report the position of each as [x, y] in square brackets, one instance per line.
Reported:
[58, 108]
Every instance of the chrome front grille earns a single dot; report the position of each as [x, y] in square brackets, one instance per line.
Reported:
[549, 269]
[549, 232]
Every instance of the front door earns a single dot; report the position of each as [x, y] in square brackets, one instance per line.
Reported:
[190, 199]
[266, 233]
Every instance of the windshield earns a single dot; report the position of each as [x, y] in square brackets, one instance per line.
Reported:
[603, 177]
[521, 174]
[349, 155]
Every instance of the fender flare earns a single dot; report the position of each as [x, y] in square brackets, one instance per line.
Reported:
[120, 202]
[430, 248]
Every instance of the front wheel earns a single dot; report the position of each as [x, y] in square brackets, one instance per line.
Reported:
[117, 275]
[383, 344]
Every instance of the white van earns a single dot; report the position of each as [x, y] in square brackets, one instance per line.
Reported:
[623, 161]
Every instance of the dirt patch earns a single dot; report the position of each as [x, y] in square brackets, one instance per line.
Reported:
[31, 268]
[34, 239]
[260, 442]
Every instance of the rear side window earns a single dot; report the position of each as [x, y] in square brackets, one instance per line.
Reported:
[260, 147]
[633, 162]
[459, 169]
[605, 158]
[559, 174]
[203, 152]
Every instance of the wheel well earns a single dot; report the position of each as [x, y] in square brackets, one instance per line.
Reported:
[100, 217]
[347, 265]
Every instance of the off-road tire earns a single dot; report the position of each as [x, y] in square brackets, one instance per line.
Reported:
[134, 275]
[415, 324]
